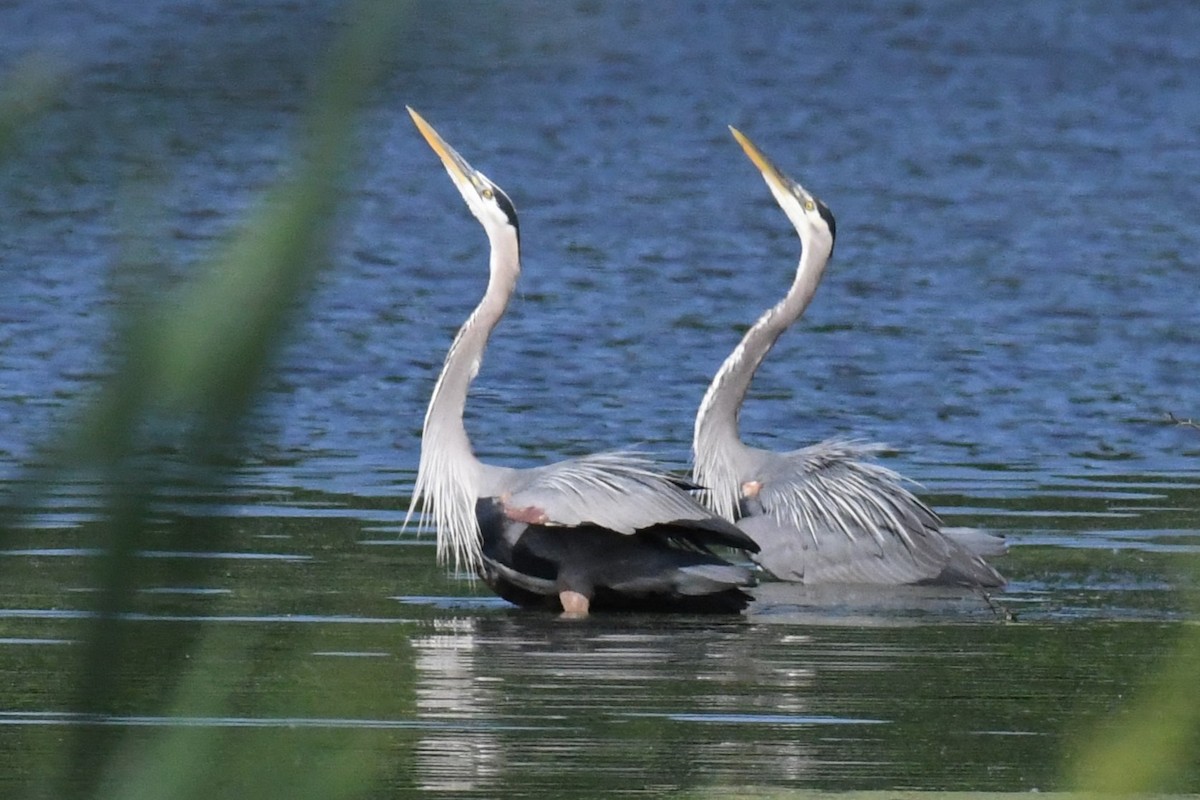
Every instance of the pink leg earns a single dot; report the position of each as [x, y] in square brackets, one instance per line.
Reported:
[575, 605]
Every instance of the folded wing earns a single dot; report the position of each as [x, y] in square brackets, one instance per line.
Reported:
[618, 491]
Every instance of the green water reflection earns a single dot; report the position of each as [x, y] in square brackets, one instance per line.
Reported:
[320, 633]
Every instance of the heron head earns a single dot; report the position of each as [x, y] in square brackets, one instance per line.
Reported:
[487, 201]
[812, 218]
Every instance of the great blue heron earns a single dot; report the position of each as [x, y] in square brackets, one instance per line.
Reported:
[825, 513]
[602, 531]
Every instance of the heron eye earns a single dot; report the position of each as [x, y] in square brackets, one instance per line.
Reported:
[487, 193]
[809, 205]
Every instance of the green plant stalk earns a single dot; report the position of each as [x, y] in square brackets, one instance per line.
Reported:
[1156, 738]
[188, 372]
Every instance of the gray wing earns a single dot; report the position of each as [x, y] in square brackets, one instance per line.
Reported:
[826, 514]
[936, 560]
[620, 491]
[979, 542]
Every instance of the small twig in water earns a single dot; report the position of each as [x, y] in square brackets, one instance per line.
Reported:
[1185, 423]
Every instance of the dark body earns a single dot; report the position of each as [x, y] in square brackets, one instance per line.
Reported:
[665, 567]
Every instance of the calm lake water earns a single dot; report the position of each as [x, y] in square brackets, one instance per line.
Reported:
[1012, 306]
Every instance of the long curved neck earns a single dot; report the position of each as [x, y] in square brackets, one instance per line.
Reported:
[717, 448]
[449, 473]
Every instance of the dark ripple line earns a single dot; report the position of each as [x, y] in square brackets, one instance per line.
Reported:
[74, 718]
[38, 613]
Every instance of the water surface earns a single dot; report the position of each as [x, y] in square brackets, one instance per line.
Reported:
[1012, 307]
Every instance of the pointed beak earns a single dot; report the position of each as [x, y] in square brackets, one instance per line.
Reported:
[460, 171]
[771, 174]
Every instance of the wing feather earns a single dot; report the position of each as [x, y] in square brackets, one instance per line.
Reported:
[833, 489]
[620, 491]
[829, 514]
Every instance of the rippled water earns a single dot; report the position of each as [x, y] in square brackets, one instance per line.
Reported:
[1012, 307]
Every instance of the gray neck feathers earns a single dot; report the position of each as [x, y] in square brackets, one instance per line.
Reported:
[449, 473]
[719, 455]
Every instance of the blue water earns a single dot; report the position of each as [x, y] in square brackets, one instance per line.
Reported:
[1014, 189]
[1012, 307]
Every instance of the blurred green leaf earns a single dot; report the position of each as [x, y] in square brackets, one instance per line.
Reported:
[203, 758]
[26, 92]
[1152, 743]
[186, 371]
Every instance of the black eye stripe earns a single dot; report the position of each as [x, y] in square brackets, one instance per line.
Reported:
[507, 207]
[827, 215]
